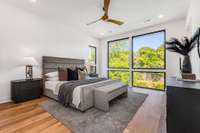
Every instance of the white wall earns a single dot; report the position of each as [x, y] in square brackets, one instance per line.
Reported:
[173, 29]
[25, 34]
[193, 22]
[193, 18]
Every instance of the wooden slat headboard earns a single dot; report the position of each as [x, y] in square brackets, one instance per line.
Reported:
[51, 64]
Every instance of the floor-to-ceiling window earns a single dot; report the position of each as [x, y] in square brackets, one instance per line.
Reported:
[146, 66]
[118, 59]
[148, 58]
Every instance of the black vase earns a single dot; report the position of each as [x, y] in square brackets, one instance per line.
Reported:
[187, 67]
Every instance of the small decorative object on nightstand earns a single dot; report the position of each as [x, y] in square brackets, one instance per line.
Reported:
[23, 90]
[29, 62]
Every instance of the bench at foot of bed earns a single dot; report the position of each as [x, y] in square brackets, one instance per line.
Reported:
[105, 94]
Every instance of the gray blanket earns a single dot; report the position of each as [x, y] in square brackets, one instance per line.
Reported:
[65, 94]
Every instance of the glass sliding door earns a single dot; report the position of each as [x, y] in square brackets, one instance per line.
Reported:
[148, 57]
[118, 59]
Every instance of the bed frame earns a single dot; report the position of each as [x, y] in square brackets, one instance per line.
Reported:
[51, 64]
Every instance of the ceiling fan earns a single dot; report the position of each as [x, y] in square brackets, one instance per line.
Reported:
[105, 17]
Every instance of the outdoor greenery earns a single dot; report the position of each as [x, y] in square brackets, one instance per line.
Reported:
[92, 55]
[149, 80]
[123, 75]
[92, 60]
[119, 54]
[145, 57]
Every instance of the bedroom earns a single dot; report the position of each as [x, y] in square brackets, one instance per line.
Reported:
[38, 28]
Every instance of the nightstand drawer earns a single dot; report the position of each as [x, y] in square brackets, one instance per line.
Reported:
[29, 93]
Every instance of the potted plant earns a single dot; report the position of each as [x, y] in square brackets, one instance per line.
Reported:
[183, 47]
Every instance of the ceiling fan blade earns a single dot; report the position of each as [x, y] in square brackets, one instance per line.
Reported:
[93, 22]
[115, 21]
[106, 6]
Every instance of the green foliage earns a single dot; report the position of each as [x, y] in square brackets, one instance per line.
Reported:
[149, 80]
[119, 54]
[92, 60]
[123, 75]
[92, 55]
[145, 57]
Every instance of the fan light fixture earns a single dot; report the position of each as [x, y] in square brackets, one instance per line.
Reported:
[105, 17]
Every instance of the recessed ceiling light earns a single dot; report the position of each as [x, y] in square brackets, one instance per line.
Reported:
[160, 16]
[33, 1]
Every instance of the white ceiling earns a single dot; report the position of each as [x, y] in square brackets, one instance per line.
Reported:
[133, 12]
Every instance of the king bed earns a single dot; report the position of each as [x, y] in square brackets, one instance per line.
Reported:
[78, 94]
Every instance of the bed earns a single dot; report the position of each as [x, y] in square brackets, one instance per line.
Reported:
[83, 95]
[51, 64]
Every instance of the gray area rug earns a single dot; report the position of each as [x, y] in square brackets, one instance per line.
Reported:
[93, 120]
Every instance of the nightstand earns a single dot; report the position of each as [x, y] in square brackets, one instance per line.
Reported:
[24, 90]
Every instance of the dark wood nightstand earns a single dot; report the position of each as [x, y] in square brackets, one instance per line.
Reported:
[23, 90]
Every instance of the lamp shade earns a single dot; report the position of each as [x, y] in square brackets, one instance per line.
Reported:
[30, 61]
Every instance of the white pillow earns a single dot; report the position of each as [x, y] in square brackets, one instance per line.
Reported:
[52, 74]
[52, 79]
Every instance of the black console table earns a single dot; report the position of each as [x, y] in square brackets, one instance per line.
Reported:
[183, 106]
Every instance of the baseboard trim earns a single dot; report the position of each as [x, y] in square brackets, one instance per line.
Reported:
[5, 100]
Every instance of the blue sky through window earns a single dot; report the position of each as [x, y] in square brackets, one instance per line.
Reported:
[153, 40]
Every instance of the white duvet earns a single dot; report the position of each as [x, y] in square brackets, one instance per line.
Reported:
[76, 98]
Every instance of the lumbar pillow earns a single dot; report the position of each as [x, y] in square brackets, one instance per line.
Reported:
[62, 74]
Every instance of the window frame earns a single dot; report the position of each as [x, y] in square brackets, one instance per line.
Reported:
[132, 47]
[90, 46]
[131, 68]
[120, 70]
[108, 51]
[149, 72]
